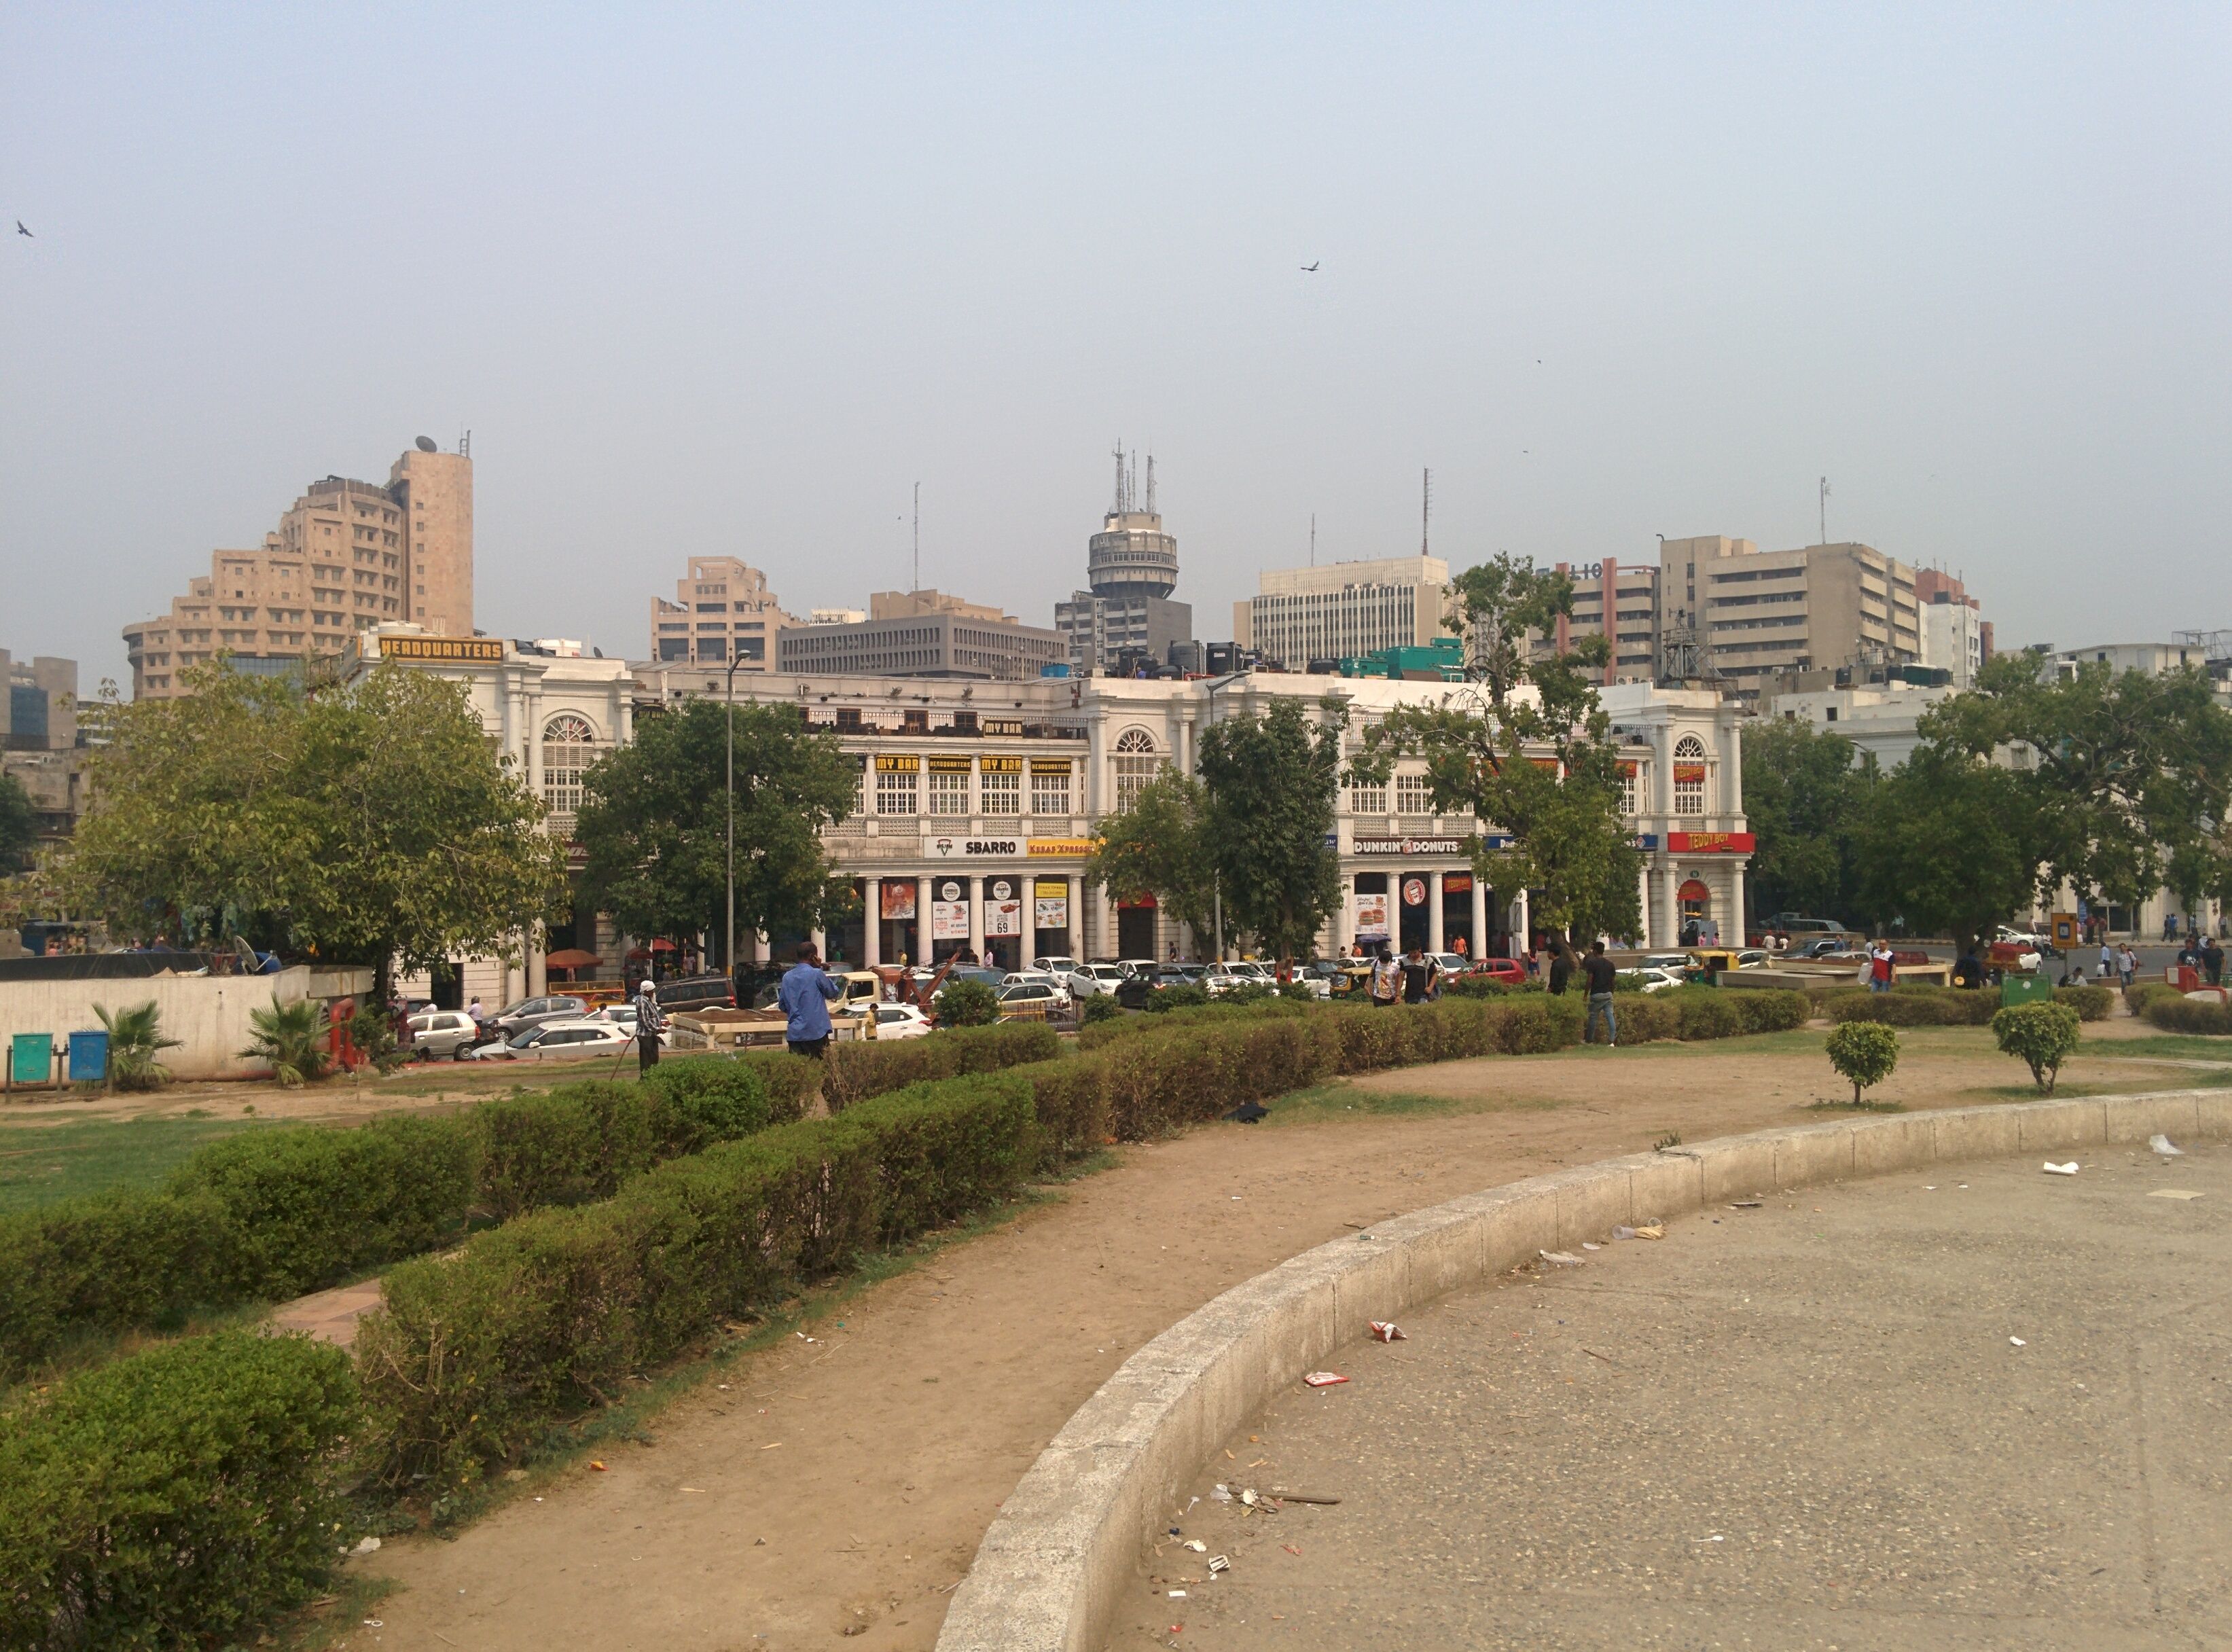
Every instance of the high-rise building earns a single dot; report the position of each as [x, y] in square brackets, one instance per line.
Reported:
[722, 609]
[345, 556]
[923, 633]
[1132, 566]
[1955, 637]
[1345, 610]
[1628, 592]
[40, 711]
[1758, 613]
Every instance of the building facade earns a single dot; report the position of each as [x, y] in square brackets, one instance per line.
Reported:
[722, 611]
[347, 557]
[1345, 610]
[1755, 613]
[923, 633]
[1620, 600]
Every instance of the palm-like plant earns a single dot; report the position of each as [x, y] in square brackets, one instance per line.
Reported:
[135, 1037]
[289, 1039]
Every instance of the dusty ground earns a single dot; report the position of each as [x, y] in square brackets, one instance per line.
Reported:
[1805, 1425]
[840, 1486]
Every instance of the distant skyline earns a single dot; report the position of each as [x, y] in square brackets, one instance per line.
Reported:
[728, 281]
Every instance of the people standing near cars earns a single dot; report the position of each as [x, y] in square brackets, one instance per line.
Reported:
[2212, 959]
[1879, 969]
[1418, 973]
[805, 996]
[650, 1022]
[1597, 971]
[1387, 977]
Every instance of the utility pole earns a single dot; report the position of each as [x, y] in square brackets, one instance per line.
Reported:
[1314, 538]
[918, 537]
[1824, 510]
[1426, 516]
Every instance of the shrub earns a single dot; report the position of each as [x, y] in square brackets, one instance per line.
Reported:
[175, 1498]
[1763, 1010]
[1297, 991]
[2175, 1012]
[1100, 1006]
[2090, 1003]
[1864, 1051]
[1704, 1012]
[2044, 1035]
[372, 1030]
[135, 1039]
[2143, 993]
[967, 1003]
[856, 1071]
[1915, 1005]
[708, 1099]
[1253, 992]
[470, 1355]
[289, 1039]
[1186, 996]
[1475, 986]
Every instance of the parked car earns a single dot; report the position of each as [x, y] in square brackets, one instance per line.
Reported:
[713, 991]
[533, 1012]
[902, 1020]
[574, 1039]
[1677, 961]
[1055, 966]
[1507, 971]
[1036, 978]
[1755, 958]
[1254, 969]
[1092, 980]
[625, 1014]
[1451, 964]
[2028, 941]
[442, 1034]
[1656, 979]
[1032, 1000]
[1145, 967]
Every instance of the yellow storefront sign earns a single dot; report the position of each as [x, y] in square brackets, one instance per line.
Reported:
[1060, 848]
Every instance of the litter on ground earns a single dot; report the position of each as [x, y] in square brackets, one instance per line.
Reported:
[1559, 1258]
[2017, 1342]
[2173, 1193]
[2070, 1169]
[1323, 1379]
[1385, 1330]
[2161, 1144]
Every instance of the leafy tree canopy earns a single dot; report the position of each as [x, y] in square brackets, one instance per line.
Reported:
[1269, 781]
[1803, 799]
[1157, 846]
[19, 828]
[366, 823]
[1527, 749]
[654, 822]
[1944, 843]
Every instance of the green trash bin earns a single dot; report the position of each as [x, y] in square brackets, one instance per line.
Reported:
[31, 1059]
[2026, 989]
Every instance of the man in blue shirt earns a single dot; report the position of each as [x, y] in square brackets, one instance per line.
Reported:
[805, 996]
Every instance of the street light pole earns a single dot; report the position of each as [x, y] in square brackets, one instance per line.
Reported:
[729, 957]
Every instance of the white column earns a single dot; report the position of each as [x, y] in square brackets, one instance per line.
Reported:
[1643, 903]
[761, 952]
[923, 953]
[1076, 937]
[1732, 768]
[1434, 932]
[1344, 916]
[871, 927]
[976, 917]
[538, 971]
[1732, 932]
[1669, 926]
[820, 939]
[1522, 927]
[1479, 917]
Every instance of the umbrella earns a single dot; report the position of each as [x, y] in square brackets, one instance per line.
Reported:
[572, 958]
[662, 946]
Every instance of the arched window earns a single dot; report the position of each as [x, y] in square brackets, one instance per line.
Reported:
[1689, 775]
[569, 744]
[1136, 764]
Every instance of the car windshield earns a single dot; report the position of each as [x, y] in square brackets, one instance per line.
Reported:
[1022, 990]
[520, 1041]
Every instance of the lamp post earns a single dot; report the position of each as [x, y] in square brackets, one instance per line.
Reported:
[730, 957]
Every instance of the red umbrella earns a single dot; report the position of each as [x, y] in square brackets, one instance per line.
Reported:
[572, 958]
[662, 946]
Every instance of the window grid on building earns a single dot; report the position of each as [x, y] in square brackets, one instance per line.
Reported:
[1367, 799]
[1136, 765]
[1050, 795]
[949, 794]
[895, 793]
[1413, 796]
[568, 743]
[1003, 794]
[1689, 775]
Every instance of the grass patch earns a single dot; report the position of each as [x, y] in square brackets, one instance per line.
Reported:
[331, 1619]
[1342, 1099]
[2168, 1047]
[1855, 1107]
[41, 1164]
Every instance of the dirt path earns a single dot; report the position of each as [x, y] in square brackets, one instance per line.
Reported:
[839, 1488]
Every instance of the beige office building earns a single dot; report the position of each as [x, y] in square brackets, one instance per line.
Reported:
[1619, 600]
[346, 557]
[1344, 609]
[722, 609]
[1756, 613]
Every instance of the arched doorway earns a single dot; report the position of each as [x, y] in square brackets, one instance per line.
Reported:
[1697, 904]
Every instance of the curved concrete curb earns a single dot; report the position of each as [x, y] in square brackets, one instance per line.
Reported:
[1047, 1577]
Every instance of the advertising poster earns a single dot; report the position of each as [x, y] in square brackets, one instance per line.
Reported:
[1414, 892]
[1003, 917]
[897, 901]
[949, 920]
[1051, 903]
[1371, 918]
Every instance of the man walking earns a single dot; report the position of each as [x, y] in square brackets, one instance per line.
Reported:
[650, 1022]
[2107, 961]
[805, 996]
[1597, 970]
[1418, 973]
[1880, 971]
[1561, 968]
[1387, 977]
[2127, 965]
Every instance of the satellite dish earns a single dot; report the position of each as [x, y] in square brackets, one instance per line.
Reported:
[426, 446]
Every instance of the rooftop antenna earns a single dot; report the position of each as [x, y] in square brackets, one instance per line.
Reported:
[1132, 484]
[1426, 515]
[1824, 510]
[1314, 538]
[465, 445]
[1117, 508]
[1151, 483]
[918, 537]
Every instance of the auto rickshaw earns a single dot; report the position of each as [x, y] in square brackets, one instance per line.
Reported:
[1706, 963]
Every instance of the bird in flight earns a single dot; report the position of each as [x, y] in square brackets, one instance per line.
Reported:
[20, 230]
[1308, 269]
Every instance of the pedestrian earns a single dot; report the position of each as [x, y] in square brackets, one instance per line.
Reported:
[1879, 970]
[1597, 969]
[2107, 959]
[1461, 948]
[1561, 968]
[650, 1022]
[1386, 975]
[2212, 959]
[805, 995]
[2127, 965]
[479, 1019]
[1417, 976]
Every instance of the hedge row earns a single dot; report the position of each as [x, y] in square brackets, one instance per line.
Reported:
[270, 1213]
[855, 1071]
[175, 1498]
[2175, 1012]
[1916, 1004]
[2141, 993]
[470, 1355]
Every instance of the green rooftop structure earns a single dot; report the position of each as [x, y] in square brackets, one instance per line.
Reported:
[1439, 661]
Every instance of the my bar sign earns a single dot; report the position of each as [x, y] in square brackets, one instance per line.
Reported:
[1412, 845]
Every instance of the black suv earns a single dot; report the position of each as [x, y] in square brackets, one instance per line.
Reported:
[696, 992]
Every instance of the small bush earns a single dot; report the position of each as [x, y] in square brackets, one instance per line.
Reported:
[291, 1040]
[175, 1498]
[1100, 1006]
[1253, 992]
[2173, 1012]
[1162, 1000]
[2143, 993]
[2044, 1035]
[1297, 991]
[1864, 1051]
[1763, 1010]
[1915, 1005]
[2090, 1003]
[855, 1071]
[967, 1003]
[135, 1040]
[1475, 986]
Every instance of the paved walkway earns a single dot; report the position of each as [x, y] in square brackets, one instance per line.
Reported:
[1807, 1425]
[329, 1315]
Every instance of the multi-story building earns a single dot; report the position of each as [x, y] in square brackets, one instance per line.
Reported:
[346, 557]
[1955, 636]
[923, 633]
[40, 711]
[1755, 612]
[1301, 616]
[1621, 600]
[722, 611]
[1131, 567]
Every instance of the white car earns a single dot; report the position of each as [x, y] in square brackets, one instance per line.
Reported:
[625, 1015]
[442, 1034]
[1251, 969]
[1091, 979]
[901, 1021]
[1039, 998]
[1036, 978]
[1655, 980]
[1055, 966]
[570, 1040]
[1755, 958]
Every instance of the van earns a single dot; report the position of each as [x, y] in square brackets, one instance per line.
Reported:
[696, 992]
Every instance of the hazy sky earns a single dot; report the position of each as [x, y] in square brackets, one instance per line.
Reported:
[732, 280]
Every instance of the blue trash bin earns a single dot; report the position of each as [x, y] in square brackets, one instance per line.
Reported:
[89, 1057]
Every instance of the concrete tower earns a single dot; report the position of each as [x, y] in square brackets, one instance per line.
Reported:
[436, 490]
[1131, 556]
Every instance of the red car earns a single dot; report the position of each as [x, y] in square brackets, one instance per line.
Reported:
[1507, 971]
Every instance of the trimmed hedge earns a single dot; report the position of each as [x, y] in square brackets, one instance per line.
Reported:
[470, 1355]
[174, 1498]
[270, 1213]
[1914, 1005]
[856, 1071]
[2143, 993]
[2090, 1003]
[2175, 1012]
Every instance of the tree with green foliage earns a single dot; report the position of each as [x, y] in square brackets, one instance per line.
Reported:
[654, 823]
[367, 822]
[1945, 844]
[291, 1040]
[1269, 781]
[19, 827]
[2044, 1035]
[963, 1002]
[135, 1042]
[1804, 798]
[2128, 776]
[1157, 846]
[1527, 749]
[1864, 1051]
